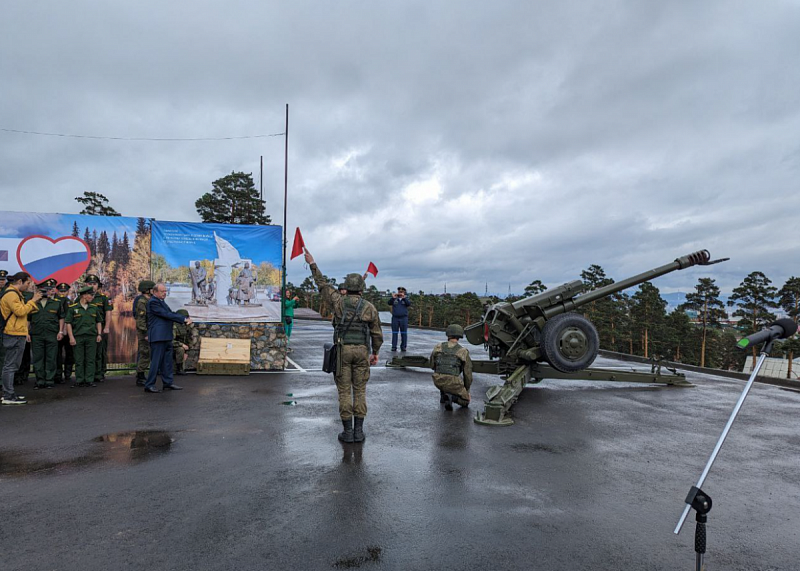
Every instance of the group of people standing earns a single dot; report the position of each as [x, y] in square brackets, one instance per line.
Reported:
[42, 324]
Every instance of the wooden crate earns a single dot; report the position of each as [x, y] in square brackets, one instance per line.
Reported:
[224, 357]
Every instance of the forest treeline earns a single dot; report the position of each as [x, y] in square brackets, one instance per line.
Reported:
[636, 323]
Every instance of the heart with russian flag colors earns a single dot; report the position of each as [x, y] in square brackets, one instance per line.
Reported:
[64, 259]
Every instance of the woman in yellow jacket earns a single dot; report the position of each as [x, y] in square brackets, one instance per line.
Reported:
[15, 312]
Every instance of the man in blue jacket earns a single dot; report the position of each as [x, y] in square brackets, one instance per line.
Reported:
[399, 304]
[159, 332]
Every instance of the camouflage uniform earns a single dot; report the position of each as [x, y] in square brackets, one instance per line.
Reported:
[446, 360]
[353, 370]
[143, 345]
[181, 335]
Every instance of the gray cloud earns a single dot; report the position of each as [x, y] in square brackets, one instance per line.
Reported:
[458, 142]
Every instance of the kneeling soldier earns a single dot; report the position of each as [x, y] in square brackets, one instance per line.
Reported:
[449, 361]
[181, 338]
[47, 322]
[84, 327]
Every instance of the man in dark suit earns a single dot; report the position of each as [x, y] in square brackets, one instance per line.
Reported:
[159, 331]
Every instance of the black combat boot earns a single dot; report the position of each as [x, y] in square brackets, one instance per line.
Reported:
[140, 379]
[442, 397]
[347, 435]
[448, 403]
[358, 429]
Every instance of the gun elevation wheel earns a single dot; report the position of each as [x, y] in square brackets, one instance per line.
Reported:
[570, 342]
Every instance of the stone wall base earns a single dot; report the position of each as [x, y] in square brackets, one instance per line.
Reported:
[267, 342]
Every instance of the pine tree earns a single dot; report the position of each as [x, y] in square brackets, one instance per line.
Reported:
[730, 357]
[103, 245]
[600, 312]
[789, 297]
[95, 204]
[114, 255]
[233, 200]
[142, 227]
[75, 230]
[678, 335]
[710, 310]
[789, 300]
[536, 286]
[753, 299]
[87, 237]
[125, 250]
[648, 312]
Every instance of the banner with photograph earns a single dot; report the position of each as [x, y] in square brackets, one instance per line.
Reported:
[66, 247]
[219, 272]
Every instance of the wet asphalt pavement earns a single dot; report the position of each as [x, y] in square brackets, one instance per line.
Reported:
[223, 475]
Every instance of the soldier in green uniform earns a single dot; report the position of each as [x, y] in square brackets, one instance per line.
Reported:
[143, 345]
[105, 307]
[357, 323]
[181, 340]
[64, 358]
[450, 361]
[46, 325]
[84, 327]
[24, 370]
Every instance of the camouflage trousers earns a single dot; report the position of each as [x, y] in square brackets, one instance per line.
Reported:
[452, 385]
[352, 381]
[178, 355]
[143, 354]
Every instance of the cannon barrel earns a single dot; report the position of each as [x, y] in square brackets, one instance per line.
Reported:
[569, 296]
[701, 257]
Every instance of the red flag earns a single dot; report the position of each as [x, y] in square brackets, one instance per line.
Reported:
[297, 248]
[372, 269]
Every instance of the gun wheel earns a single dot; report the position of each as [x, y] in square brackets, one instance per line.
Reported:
[570, 342]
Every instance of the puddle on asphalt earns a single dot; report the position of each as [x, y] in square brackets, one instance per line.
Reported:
[115, 448]
[373, 555]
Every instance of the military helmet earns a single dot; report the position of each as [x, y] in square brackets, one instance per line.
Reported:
[182, 312]
[454, 330]
[354, 282]
[146, 285]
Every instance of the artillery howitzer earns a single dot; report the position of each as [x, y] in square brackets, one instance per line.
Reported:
[540, 337]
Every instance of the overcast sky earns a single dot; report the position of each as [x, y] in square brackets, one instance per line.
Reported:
[462, 142]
